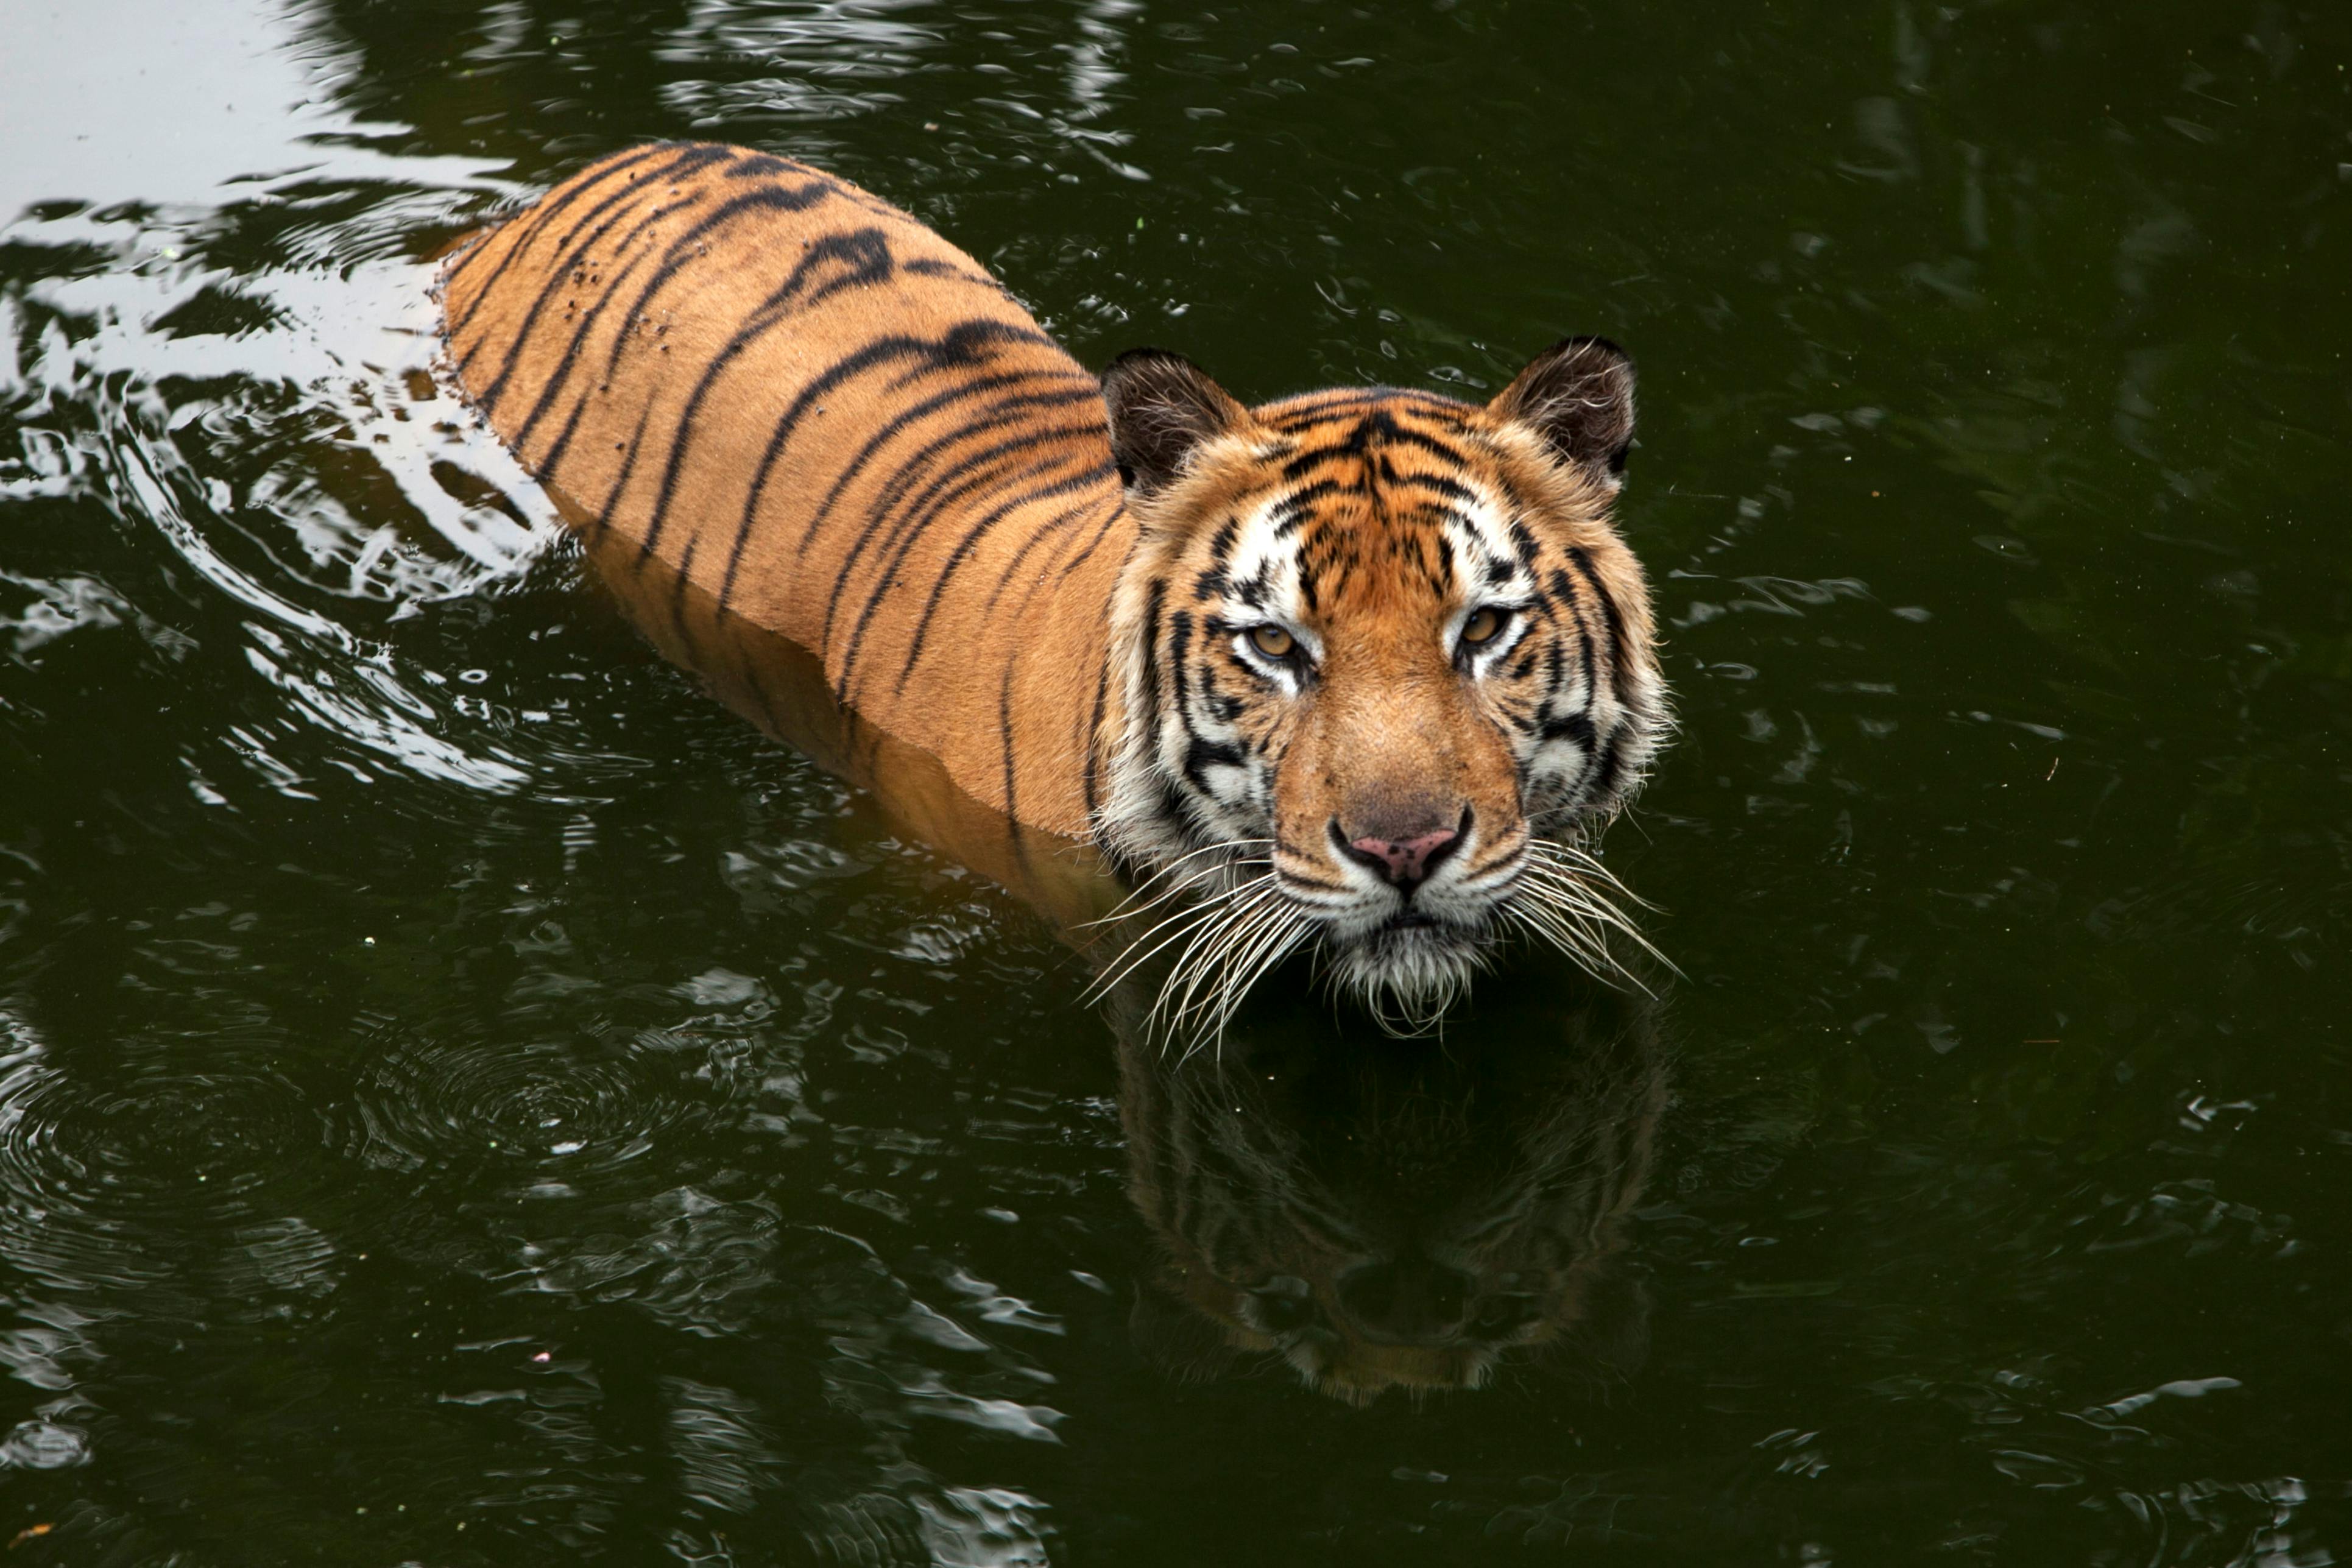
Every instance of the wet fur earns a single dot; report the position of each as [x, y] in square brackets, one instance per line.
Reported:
[822, 419]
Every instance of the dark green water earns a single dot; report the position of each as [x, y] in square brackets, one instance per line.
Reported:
[468, 1098]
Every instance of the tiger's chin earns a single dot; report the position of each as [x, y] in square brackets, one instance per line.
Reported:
[1407, 972]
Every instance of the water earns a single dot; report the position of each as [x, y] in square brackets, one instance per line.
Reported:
[470, 1097]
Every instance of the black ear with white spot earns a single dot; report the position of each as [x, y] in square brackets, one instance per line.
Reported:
[1161, 406]
[1578, 395]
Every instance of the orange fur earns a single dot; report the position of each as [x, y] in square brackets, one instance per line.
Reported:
[767, 377]
[756, 385]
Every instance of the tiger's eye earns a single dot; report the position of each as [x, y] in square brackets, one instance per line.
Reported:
[1273, 641]
[1482, 626]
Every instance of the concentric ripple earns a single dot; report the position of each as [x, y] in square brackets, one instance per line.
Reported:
[110, 1183]
[555, 1114]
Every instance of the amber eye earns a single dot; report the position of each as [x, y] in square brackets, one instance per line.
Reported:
[1273, 641]
[1484, 626]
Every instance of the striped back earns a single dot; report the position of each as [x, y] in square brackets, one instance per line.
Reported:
[838, 425]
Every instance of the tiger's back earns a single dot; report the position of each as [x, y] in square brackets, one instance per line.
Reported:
[814, 409]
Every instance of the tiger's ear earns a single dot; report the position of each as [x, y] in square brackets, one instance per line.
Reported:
[1161, 406]
[1578, 395]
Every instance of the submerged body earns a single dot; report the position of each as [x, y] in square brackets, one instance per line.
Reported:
[1354, 671]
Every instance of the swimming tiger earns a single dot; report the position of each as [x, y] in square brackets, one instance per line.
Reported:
[1353, 671]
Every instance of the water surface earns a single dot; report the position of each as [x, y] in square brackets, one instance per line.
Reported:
[471, 1097]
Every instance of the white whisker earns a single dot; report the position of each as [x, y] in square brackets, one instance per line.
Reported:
[1130, 959]
[1564, 897]
[1235, 913]
[1242, 959]
[1129, 909]
[1238, 934]
[1238, 914]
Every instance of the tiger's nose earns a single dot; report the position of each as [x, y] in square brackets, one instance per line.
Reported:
[1405, 862]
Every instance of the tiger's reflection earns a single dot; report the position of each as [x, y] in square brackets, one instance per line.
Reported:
[1382, 1214]
[1376, 1213]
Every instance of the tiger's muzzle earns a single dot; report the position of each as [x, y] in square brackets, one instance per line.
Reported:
[1406, 900]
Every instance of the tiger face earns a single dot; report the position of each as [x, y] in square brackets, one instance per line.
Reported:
[1384, 661]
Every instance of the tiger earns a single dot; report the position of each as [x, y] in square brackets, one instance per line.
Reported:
[1354, 673]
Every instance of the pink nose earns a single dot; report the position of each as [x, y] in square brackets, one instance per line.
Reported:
[1406, 862]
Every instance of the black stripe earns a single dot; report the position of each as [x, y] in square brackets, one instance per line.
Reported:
[1377, 428]
[766, 165]
[1576, 727]
[1155, 601]
[1095, 477]
[520, 340]
[677, 586]
[584, 182]
[968, 474]
[1222, 704]
[1292, 508]
[896, 424]
[1176, 810]
[1296, 416]
[562, 374]
[1117, 515]
[1094, 740]
[1608, 777]
[628, 466]
[934, 267]
[1204, 755]
[1004, 735]
[1621, 655]
[868, 256]
[1564, 594]
[1044, 391]
[1298, 467]
[516, 339]
[972, 474]
[1179, 673]
[1052, 526]
[1221, 543]
[1380, 428]
[1522, 541]
[960, 344]
[558, 277]
[773, 199]
[1453, 489]
[554, 454]
[1018, 414]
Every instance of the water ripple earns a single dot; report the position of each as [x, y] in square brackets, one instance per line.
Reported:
[549, 1114]
[110, 1182]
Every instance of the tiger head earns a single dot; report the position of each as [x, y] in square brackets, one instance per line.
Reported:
[1384, 659]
